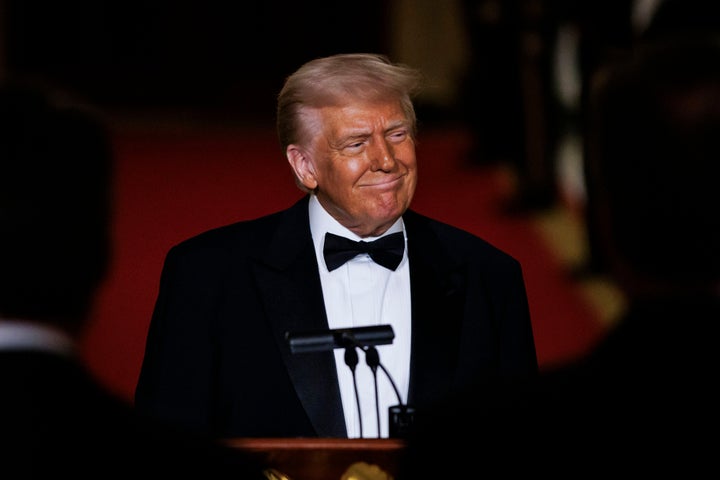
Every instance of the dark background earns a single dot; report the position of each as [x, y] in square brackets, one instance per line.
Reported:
[182, 53]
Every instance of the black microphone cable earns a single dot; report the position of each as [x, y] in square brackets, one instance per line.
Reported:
[351, 360]
[401, 415]
[372, 358]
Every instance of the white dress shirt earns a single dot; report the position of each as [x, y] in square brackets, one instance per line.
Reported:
[363, 293]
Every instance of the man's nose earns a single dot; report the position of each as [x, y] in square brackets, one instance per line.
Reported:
[383, 157]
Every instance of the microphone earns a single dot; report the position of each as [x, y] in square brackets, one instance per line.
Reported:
[324, 340]
[366, 338]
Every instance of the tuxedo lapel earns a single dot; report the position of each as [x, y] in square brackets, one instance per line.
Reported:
[289, 284]
[438, 294]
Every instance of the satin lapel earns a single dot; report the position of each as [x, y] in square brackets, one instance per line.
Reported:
[438, 294]
[289, 284]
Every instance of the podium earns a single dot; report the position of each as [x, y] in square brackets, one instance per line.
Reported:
[326, 458]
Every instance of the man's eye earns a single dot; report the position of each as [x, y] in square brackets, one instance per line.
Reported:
[398, 136]
[355, 146]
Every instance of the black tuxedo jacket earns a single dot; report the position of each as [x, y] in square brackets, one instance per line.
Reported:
[57, 421]
[217, 360]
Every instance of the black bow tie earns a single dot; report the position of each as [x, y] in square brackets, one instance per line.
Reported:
[386, 251]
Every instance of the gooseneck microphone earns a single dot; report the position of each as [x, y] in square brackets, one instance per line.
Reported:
[372, 358]
[401, 416]
[351, 360]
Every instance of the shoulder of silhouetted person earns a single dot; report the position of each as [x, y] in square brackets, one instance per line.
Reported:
[56, 418]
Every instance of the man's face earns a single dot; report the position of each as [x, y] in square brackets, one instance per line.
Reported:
[362, 161]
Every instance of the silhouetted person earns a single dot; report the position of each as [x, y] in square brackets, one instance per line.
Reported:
[492, 100]
[56, 202]
[605, 35]
[644, 400]
[609, 34]
[508, 99]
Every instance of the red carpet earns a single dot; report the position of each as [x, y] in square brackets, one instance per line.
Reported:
[171, 185]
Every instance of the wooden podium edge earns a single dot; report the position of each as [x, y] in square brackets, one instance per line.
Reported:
[355, 444]
[325, 458]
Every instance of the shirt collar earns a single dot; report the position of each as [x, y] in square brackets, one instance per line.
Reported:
[28, 335]
[321, 222]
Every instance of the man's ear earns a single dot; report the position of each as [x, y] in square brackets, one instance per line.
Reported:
[302, 166]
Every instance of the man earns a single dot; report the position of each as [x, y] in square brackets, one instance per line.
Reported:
[217, 358]
[55, 209]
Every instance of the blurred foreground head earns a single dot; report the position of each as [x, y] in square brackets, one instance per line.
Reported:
[655, 145]
[55, 204]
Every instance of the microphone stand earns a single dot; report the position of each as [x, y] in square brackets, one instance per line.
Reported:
[401, 416]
